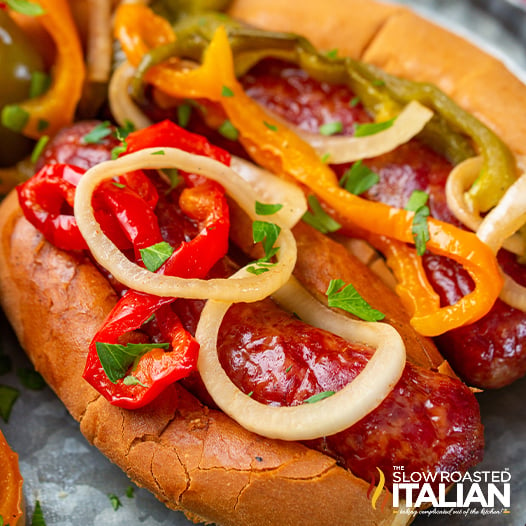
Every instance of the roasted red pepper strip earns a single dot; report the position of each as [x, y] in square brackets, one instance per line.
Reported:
[43, 198]
[204, 201]
[46, 197]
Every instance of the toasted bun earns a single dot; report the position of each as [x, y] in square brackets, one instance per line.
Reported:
[194, 458]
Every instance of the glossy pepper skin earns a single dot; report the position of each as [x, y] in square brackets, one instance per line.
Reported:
[19, 61]
[203, 201]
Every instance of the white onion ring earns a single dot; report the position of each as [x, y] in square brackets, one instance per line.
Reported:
[343, 149]
[458, 182]
[307, 421]
[273, 189]
[501, 222]
[250, 288]
[122, 106]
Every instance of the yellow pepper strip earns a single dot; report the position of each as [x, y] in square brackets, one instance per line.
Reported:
[139, 30]
[281, 151]
[56, 107]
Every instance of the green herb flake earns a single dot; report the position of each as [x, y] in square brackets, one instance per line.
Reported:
[371, 128]
[260, 267]
[267, 234]
[226, 92]
[250, 394]
[115, 501]
[116, 152]
[333, 53]
[184, 112]
[154, 256]
[330, 128]
[98, 133]
[8, 397]
[228, 131]
[14, 117]
[118, 185]
[378, 83]
[31, 379]
[159, 152]
[358, 178]
[40, 83]
[116, 358]
[317, 397]
[417, 203]
[318, 218]
[175, 178]
[122, 132]
[38, 515]
[39, 148]
[25, 7]
[346, 297]
[325, 158]
[42, 125]
[270, 126]
[130, 492]
[354, 102]
[132, 380]
[267, 209]
[287, 370]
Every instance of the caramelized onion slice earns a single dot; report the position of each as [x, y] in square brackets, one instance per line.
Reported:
[501, 222]
[343, 149]
[250, 288]
[459, 181]
[310, 420]
[123, 108]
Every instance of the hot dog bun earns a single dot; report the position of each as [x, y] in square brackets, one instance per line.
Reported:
[191, 457]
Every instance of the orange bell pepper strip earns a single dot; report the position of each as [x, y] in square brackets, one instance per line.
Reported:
[139, 30]
[280, 150]
[11, 482]
[55, 108]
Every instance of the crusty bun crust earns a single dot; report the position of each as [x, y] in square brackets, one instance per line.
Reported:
[191, 457]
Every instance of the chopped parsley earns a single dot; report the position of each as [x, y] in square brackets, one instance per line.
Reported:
[158, 152]
[226, 92]
[38, 515]
[228, 131]
[267, 209]
[346, 297]
[40, 83]
[267, 234]
[330, 128]
[116, 358]
[270, 126]
[418, 204]
[42, 125]
[25, 7]
[31, 379]
[130, 492]
[8, 397]
[98, 133]
[317, 397]
[14, 117]
[370, 128]
[358, 178]
[115, 501]
[39, 148]
[318, 218]
[354, 102]
[333, 53]
[184, 112]
[154, 256]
